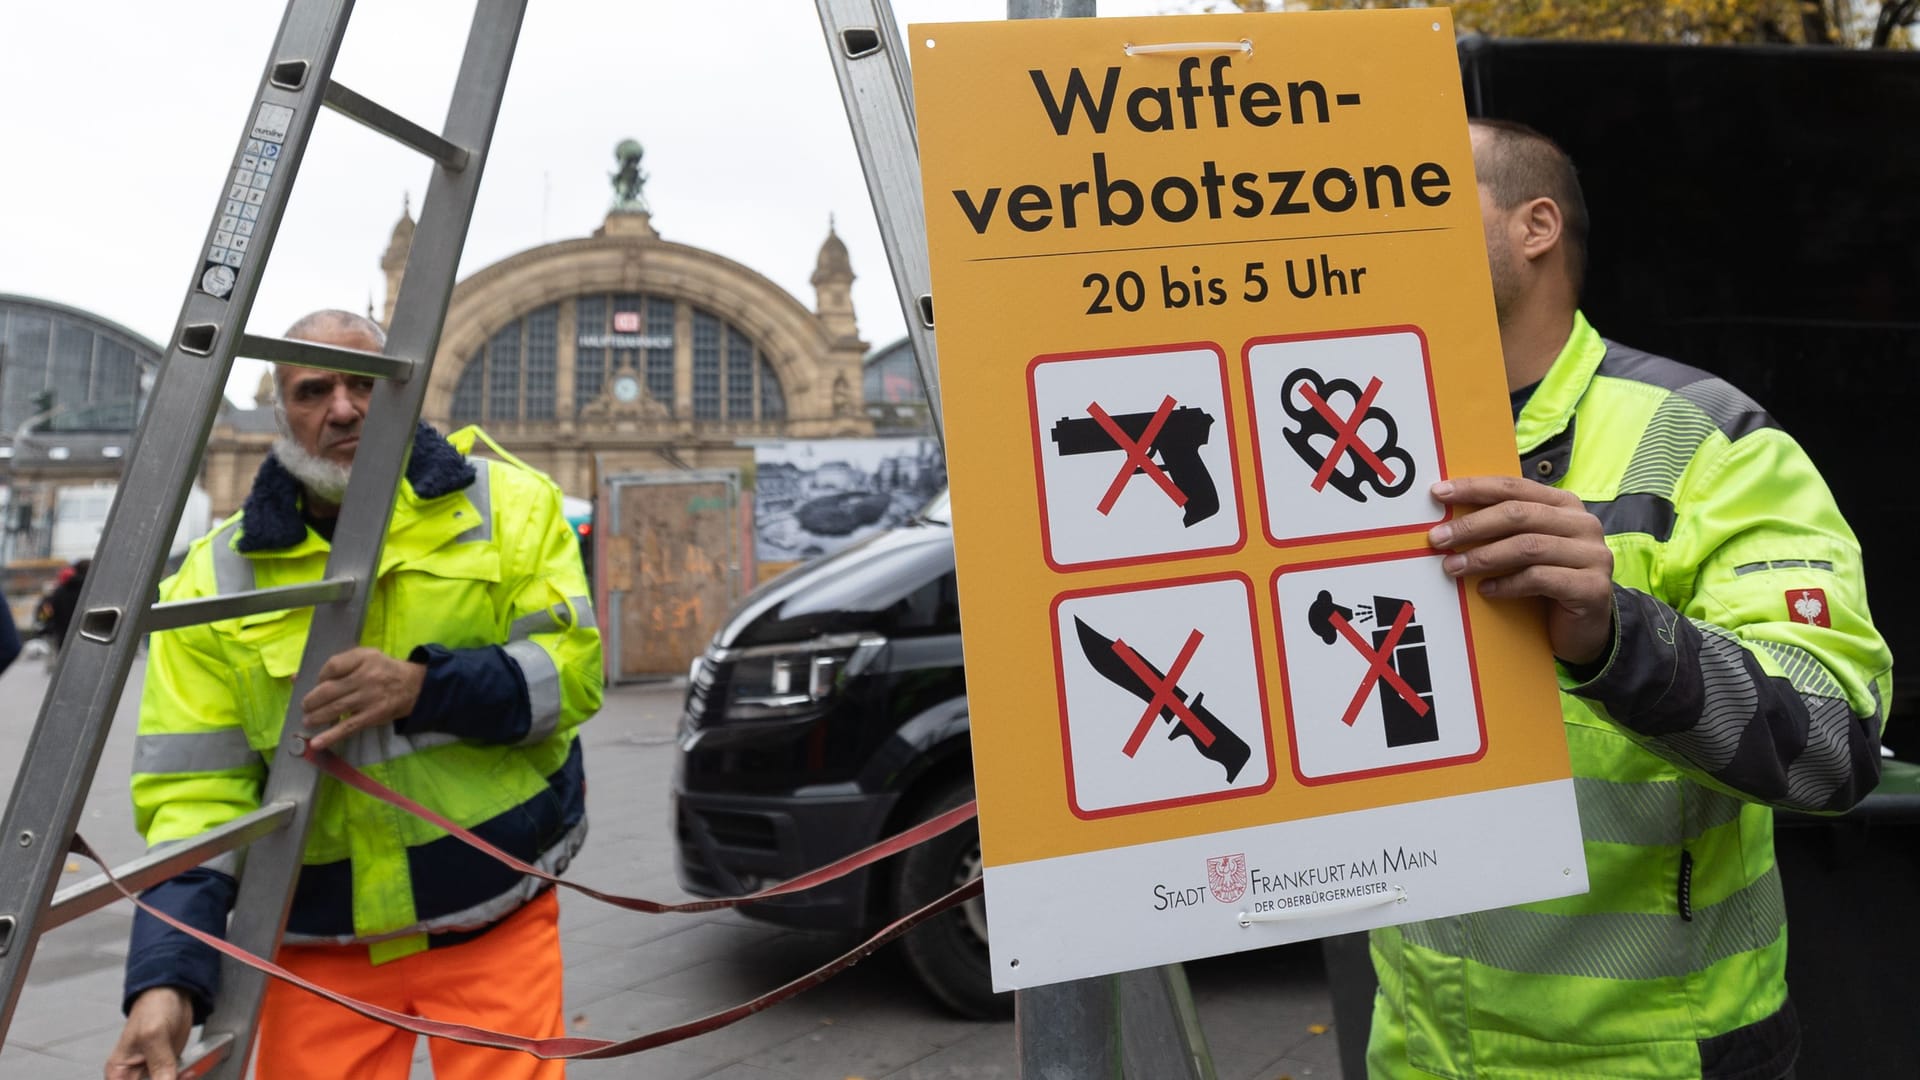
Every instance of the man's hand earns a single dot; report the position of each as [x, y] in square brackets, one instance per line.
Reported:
[358, 689]
[156, 1032]
[1522, 538]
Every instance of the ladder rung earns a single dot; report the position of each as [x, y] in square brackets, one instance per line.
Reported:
[156, 866]
[178, 613]
[367, 111]
[325, 357]
[202, 1056]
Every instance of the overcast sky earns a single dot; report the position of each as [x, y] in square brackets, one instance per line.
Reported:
[118, 120]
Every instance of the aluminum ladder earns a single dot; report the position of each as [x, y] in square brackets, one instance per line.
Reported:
[1139, 1023]
[115, 611]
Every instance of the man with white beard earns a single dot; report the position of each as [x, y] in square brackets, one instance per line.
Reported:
[324, 473]
[479, 659]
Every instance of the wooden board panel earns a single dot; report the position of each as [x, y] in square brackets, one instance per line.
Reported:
[670, 560]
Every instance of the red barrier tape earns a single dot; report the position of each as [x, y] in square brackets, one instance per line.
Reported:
[565, 1047]
[327, 762]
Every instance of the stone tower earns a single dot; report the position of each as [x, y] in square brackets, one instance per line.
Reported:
[394, 262]
[833, 287]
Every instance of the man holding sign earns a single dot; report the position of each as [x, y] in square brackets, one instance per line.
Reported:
[1706, 603]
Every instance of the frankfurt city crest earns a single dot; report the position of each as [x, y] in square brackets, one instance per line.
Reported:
[1227, 877]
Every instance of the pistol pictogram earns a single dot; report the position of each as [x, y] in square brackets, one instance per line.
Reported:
[1176, 444]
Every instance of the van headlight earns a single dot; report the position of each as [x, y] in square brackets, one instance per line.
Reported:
[767, 682]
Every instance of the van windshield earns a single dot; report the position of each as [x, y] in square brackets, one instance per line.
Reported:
[939, 511]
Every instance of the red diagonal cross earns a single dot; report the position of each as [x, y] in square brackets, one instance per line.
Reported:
[1377, 668]
[1137, 454]
[1163, 693]
[1348, 434]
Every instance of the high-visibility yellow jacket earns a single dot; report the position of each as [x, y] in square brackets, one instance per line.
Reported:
[481, 580]
[1745, 674]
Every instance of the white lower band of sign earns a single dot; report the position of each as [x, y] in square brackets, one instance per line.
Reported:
[1392, 895]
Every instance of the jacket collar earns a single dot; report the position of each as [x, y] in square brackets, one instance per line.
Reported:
[1550, 409]
[271, 519]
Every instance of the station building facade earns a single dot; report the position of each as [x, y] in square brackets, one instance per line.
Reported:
[620, 352]
[895, 393]
[72, 387]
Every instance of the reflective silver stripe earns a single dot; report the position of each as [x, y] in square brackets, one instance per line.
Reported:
[480, 494]
[1659, 813]
[543, 688]
[1729, 702]
[227, 862]
[193, 751]
[578, 610]
[380, 743]
[1642, 814]
[1804, 670]
[1612, 945]
[540, 622]
[1733, 412]
[583, 611]
[1784, 564]
[232, 571]
[1825, 764]
[1668, 444]
[554, 861]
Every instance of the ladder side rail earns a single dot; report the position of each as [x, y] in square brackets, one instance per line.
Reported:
[77, 714]
[210, 1054]
[870, 62]
[1050, 9]
[266, 889]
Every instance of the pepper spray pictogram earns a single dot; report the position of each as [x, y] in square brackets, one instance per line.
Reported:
[1397, 664]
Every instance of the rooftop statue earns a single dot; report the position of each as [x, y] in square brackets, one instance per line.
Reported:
[629, 180]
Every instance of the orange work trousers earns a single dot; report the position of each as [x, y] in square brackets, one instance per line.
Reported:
[508, 979]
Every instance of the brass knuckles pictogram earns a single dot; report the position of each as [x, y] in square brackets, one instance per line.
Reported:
[1313, 424]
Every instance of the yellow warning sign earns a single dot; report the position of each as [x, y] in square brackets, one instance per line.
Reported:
[1213, 315]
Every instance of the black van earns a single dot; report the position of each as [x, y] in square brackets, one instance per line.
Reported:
[1755, 215]
[831, 711]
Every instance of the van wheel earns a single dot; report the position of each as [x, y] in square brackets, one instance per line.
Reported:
[949, 952]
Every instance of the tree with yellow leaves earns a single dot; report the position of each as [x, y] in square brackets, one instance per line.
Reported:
[1859, 23]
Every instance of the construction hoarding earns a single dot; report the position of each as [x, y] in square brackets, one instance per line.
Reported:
[668, 552]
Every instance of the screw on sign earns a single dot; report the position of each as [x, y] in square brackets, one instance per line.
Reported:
[1118, 663]
[1319, 419]
[1396, 660]
[1174, 434]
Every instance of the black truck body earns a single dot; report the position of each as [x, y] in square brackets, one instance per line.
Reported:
[1756, 212]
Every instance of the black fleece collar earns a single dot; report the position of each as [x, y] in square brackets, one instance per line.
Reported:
[271, 518]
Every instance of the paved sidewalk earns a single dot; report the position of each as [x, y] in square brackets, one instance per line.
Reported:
[629, 973]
